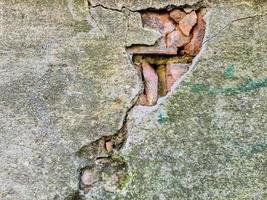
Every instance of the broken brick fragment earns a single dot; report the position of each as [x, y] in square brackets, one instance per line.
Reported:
[177, 15]
[162, 23]
[188, 22]
[174, 72]
[177, 39]
[151, 83]
[159, 21]
[194, 46]
[161, 64]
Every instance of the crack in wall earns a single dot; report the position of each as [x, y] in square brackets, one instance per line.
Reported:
[230, 23]
[109, 169]
[108, 8]
[159, 67]
[113, 9]
[195, 6]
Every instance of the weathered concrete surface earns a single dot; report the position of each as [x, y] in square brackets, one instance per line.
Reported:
[208, 139]
[66, 80]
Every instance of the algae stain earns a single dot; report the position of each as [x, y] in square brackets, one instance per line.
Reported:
[124, 180]
[253, 149]
[246, 86]
[198, 88]
[229, 71]
[162, 118]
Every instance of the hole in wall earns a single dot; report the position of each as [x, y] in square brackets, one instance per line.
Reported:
[161, 65]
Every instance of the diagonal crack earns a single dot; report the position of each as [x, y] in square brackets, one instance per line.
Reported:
[113, 161]
[96, 23]
[111, 144]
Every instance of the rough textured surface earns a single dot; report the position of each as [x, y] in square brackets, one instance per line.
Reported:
[141, 4]
[174, 72]
[208, 139]
[177, 15]
[66, 80]
[137, 34]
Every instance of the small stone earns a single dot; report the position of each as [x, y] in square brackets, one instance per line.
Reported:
[151, 83]
[194, 46]
[109, 146]
[177, 15]
[89, 177]
[174, 72]
[177, 39]
[188, 22]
